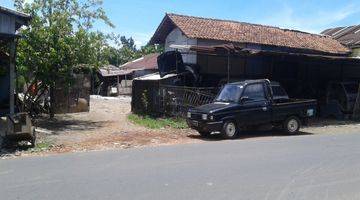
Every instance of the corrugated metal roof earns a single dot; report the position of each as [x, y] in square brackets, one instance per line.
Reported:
[240, 32]
[111, 70]
[15, 13]
[155, 76]
[347, 35]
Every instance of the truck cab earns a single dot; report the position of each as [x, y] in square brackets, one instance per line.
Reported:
[250, 103]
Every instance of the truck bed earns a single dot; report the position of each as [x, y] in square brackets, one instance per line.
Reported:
[302, 108]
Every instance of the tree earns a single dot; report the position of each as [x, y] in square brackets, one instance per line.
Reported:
[124, 50]
[59, 38]
[148, 49]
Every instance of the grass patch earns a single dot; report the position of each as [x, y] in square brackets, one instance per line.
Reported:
[42, 146]
[158, 123]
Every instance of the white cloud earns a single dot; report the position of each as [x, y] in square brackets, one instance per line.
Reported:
[314, 23]
[141, 39]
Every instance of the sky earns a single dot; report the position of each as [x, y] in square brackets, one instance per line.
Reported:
[140, 18]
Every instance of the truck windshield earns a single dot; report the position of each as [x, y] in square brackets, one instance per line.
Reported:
[230, 93]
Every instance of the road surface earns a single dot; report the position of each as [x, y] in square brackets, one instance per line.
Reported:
[297, 167]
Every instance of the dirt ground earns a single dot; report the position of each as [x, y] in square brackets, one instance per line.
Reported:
[106, 127]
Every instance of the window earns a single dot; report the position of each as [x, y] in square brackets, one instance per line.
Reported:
[255, 92]
[278, 91]
[230, 93]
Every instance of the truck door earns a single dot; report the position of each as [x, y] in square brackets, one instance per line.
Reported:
[255, 107]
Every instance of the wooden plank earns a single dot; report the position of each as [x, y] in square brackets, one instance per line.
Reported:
[356, 113]
[12, 77]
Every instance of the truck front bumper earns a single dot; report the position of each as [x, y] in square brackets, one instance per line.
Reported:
[205, 126]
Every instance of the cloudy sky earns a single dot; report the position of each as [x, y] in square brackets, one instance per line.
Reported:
[140, 18]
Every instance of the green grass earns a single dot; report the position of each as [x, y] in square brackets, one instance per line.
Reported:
[42, 146]
[157, 123]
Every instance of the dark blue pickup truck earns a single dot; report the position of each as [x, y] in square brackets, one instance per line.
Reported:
[250, 103]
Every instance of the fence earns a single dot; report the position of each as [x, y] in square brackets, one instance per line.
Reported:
[176, 100]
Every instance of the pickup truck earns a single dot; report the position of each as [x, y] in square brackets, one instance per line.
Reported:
[250, 103]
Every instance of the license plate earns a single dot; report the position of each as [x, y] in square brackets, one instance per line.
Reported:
[195, 123]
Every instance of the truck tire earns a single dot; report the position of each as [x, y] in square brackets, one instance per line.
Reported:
[292, 125]
[229, 130]
[204, 134]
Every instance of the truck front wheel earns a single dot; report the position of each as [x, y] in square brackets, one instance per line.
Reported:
[292, 125]
[229, 130]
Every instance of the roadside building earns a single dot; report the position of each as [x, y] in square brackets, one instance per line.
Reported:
[346, 35]
[226, 50]
[142, 66]
[10, 22]
[111, 80]
[118, 80]
[289, 56]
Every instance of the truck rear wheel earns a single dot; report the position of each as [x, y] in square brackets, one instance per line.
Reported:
[229, 130]
[292, 125]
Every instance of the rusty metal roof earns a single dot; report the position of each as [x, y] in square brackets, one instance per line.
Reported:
[145, 62]
[240, 32]
[347, 35]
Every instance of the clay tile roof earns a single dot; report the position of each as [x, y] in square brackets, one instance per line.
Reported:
[348, 36]
[240, 32]
[146, 62]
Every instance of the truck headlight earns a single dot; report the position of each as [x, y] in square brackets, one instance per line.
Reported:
[188, 114]
[204, 116]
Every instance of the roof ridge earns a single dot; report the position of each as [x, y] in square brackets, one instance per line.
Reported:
[15, 12]
[247, 23]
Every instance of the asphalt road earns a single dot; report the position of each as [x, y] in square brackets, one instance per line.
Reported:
[297, 167]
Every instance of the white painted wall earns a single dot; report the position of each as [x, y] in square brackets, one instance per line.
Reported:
[177, 37]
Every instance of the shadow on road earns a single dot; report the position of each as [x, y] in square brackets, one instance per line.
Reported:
[250, 134]
[321, 122]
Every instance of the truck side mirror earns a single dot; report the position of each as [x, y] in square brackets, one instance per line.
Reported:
[244, 99]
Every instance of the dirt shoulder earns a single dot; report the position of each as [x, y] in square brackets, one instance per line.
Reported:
[106, 126]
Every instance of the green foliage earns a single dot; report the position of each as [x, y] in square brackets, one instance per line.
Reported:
[42, 146]
[157, 123]
[59, 38]
[144, 99]
[124, 50]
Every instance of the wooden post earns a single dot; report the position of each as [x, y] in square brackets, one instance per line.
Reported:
[118, 85]
[356, 112]
[228, 66]
[12, 77]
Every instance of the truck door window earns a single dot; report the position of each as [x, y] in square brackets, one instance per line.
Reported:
[255, 92]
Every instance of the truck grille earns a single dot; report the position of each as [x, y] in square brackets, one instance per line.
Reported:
[196, 116]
